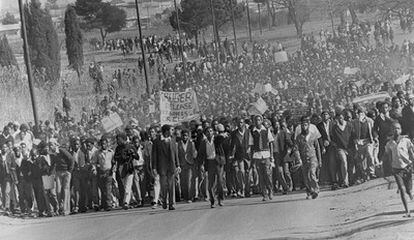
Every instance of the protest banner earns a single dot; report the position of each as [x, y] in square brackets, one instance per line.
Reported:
[351, 71]
[297, 92]
[258, 108]
[402, 79]
[177, 107]
[281, 57]
[262, 89]
[111, 122]
[374, 97]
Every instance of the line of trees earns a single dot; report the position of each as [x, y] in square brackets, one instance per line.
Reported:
[43, 40]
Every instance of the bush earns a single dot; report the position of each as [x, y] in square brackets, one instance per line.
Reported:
[9, 19]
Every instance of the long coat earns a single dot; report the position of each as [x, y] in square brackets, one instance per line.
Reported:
[165, 156]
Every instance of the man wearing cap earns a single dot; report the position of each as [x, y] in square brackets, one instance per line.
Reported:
[261, 145]
[64, 164]
[310, 154]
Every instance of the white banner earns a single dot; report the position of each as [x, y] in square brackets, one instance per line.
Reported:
[177, 107]
[281, 57]
[258, 108]
[351, 71]
[402, 79]
[111, 122]
[374, 97]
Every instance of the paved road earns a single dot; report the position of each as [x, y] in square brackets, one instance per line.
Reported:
[356, 213]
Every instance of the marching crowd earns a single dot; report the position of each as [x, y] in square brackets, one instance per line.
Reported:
[64, 166]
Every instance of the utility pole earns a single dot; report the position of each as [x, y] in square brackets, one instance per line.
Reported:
[148, 15]
[248, 21]
[179, 40]
[260, 19]
[142, 49]
[332, 20]
[28, 64]
[215, 31]
[234, 26]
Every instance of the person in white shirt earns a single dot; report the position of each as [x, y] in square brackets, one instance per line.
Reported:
[400, 151]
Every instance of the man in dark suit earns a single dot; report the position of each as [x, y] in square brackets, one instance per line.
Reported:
[408, 117]
[165, 163]
[328, 151]
[186, 156]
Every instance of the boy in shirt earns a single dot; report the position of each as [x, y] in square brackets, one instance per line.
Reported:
[400, 151]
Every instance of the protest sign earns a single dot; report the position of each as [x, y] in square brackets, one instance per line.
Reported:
[281, 57]
[262, 89]
[177, 107]
[258, 108]
[351, 71]
[402, 79]
[374, 97]
[297, 92]
[111, 122]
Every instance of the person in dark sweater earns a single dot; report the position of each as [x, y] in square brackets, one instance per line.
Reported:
[64, 164]
[342, 138]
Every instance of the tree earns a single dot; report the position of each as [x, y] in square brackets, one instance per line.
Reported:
[9, 19]
[52, 4]
[74, 40]
[194, 16]
[7, 57]
[299, 13]
[43, 43]
[100, 15]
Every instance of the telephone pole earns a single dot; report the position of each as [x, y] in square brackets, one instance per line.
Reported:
[215, 31]
[260, 19]
[248, 21]
[331, 14]
[28, 64]
[234, 26]
[142, 49]
[179, 40]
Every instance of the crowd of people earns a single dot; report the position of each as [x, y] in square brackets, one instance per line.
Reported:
[64, 166]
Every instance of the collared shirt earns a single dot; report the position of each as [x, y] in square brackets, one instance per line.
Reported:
[210, 149]
[103, 159]
[185, 144]
[166, 139]
[401, 152]
[326, 125]
[261, 154]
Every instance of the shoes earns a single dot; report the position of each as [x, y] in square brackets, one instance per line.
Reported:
[125, 207]
[171, 208]
[189, 201]
[314, 195]
[164, 206]
[284, 192]
[108, 209]
[220, 203]
[96, 208]
[154, 206]
[212, 205]
[264, 199]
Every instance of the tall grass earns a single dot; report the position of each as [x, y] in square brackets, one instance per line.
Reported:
[15, 101]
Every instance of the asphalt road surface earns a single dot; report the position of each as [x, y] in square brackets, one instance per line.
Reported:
[367, 211]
